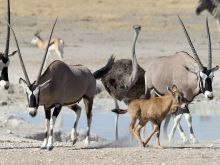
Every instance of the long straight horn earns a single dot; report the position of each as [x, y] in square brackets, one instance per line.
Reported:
[20, 57]
[210, 46]
[190, 44]
[137, 29]
[8, 31]
[44, 58]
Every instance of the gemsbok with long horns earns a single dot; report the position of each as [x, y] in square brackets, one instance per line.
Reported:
[123, 79]
[4, 57]
[60, 85]
[188, 73]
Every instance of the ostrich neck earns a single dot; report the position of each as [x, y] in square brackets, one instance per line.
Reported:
[134, 62]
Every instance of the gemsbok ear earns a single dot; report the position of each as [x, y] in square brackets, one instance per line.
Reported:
[215, 68]
[13, 53]
[190, 69]
[44, 85]
[23, 83]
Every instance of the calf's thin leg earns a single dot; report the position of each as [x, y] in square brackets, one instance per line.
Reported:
[158, 135]
[154, 131]
[137, 131]
[132, 124]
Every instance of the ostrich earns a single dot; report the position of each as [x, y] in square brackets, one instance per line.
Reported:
[123, 79]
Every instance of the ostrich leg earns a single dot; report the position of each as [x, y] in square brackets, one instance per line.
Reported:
[116, 111]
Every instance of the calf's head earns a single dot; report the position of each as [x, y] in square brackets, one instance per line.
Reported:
[178, 99]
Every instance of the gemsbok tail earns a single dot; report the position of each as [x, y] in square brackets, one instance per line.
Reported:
[104, 70]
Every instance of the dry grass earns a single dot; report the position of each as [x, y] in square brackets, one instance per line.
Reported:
[105, 14]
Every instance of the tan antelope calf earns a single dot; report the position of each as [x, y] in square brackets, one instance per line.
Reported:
[154, 110]
[56, 44]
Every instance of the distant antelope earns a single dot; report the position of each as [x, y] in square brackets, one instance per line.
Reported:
[56, 44]
[60, 85]
[154, 110]
[4, 57]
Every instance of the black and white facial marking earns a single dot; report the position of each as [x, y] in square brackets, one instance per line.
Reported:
[33, 93]
[205, 5]
[4, 63]
[206, 78]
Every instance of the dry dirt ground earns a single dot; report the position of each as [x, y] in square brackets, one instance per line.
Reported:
[68, 155]
[92, 31]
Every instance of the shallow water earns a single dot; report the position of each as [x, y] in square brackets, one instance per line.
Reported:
[205, 128]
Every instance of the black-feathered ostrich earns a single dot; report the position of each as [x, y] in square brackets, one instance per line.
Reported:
[123, 79]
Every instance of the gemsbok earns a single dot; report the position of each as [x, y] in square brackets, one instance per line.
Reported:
[188, 73]
[4, 57]
[60, 85]
[123, 79]
[154, 110]
[56, 45]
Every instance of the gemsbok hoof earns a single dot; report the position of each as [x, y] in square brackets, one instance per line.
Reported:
[49, 148]
[43, 147]
[142, 144]
[186, 141]
[74, 141]
[87, 142]
[194, 140]
[145, 144]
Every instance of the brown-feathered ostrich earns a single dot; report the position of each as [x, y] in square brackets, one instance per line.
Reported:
[123, 79]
